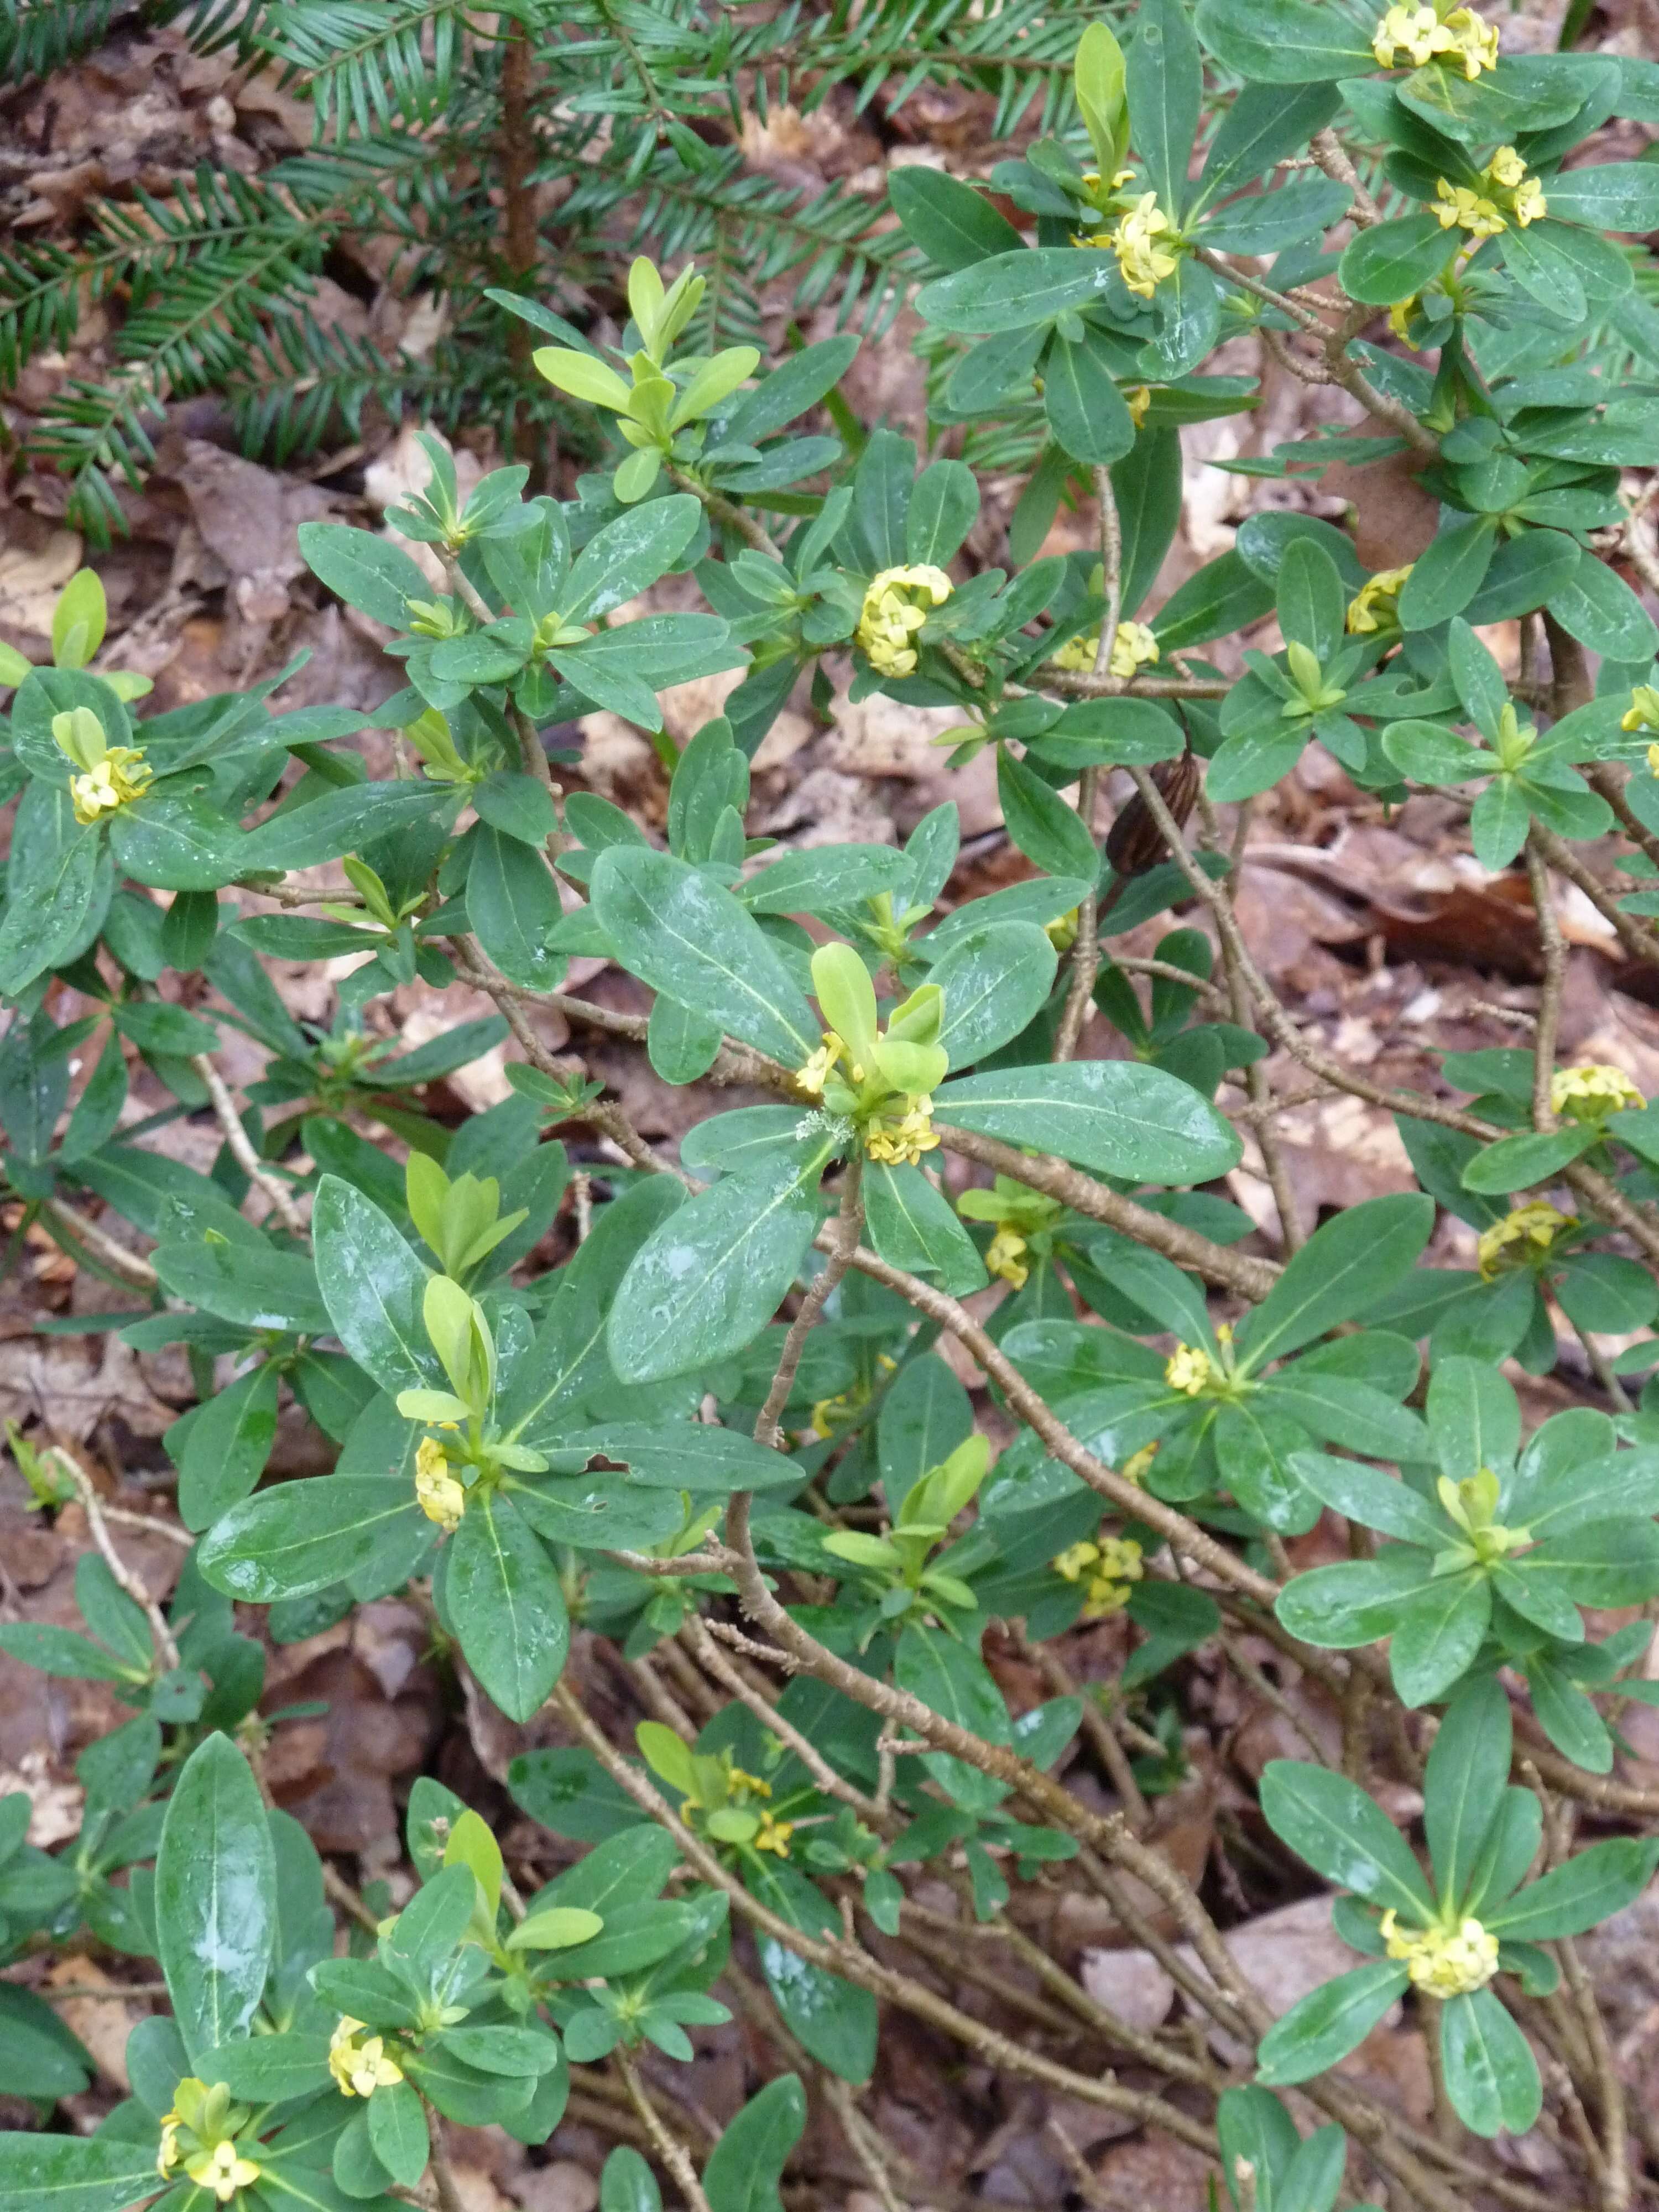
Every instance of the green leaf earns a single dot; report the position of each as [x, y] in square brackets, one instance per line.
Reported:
[226, 1448]
[1609, 195]
[995, 980]
[1601, 611]
[1469, 1767]
[1391, 260]
[178, 840]
[913, 1226]
[628, 2184]
[1518, 1163]
[1331, 1823]
[374, 1287]
[513, 903]
[1260, 129]
[1086, 411]
[247, 1283]
[1342, 1269]
[696, 1455]
[1437, 1635]
[955, 1683]
[1572, 1899]
[1012, 291]
[836, 2022]
[397, 2129]
[303, 1536]
[628, 555]
[54, 885]
[216, 1896]
[1115, 1116]
[926, 1415]
[1445, 578]
[683, 934]
[42, 2172]
[366, 571]
[1329, 2023]
[1474, 1417]
[1376, 1500]
[708, 1281]
[1283, 41]
[1492, 2076]
[1165, 77]
[340, 821]
[1049, 833]
[747, 2163]
[503, 1593]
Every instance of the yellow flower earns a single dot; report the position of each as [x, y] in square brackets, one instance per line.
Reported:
[1061, 932]
[1506, 171]
[1107, 1568]
[223, 2170]
[1133, 644]
[1444, 1962]
[1590, 1094]
[895, 606]
[775, 1835]
[1138, 402]
[1414, 32]
[1378, 601]
[1399, 316]
[1643, 713]
[812, 1076]
[1134, 1468]
[359, 2063]
[1190, 1369]
[438, 1492]
[751, 1784]
[122, 774]
[1075, 1562]
[1004, 1257]
[1538, 1225]
[167, 2156]
[1417, 35]
[901, 1143]
[1145, 263]
[1459, 208]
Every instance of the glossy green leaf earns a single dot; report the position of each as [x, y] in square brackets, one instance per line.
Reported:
[682, 933]
[216, 1896]
[374, 1287]
[503, 1593]
[1115, 1116]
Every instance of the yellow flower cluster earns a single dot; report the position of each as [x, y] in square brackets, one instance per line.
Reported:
[1643, 713]
[1006, 1257]
[829, 1413]
[1133, 648]
[1444, 1962]
[438, 1491]
[896, 604]
[815, 1074]
[775, 1835]
[1417, 35]
[1483, 214]
[1141, 243]
[215, 2165]
[901, 1142]
[1108, 1569]
[1377, 604]
[1590, 1094]
[1190, 1369]
[122, 774]
[1537, 1226]
[359, 2063]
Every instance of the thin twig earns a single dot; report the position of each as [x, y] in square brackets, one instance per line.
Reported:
[241, 1146]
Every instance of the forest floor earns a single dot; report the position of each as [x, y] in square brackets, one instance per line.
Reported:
[1382, 935]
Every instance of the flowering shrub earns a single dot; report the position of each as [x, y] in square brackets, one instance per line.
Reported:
[699, 1405]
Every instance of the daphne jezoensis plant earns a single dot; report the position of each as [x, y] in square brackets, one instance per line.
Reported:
[703, 1405]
